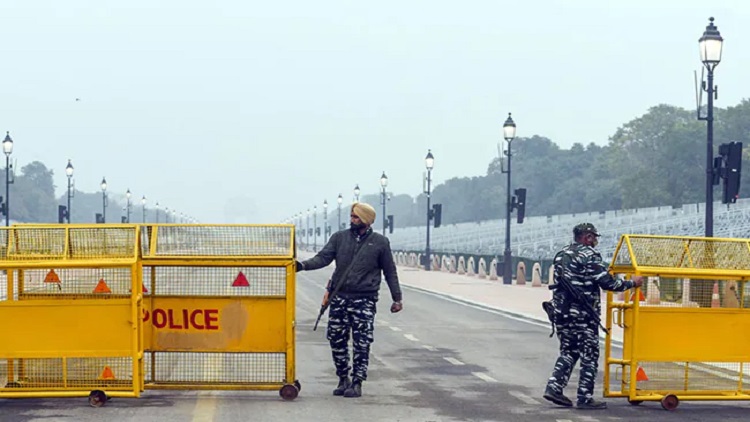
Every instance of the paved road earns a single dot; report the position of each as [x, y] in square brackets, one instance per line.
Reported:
[438, 360]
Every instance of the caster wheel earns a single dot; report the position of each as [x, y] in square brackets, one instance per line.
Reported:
[670, 402]
[289, 392]
[97, 398]
[298, 385]
[635, 402]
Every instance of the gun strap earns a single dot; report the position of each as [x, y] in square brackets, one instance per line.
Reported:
[342, 279]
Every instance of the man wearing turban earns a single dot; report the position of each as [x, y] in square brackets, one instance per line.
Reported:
[353, 306]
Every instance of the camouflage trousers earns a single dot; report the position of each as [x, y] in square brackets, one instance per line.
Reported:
[353, 318]
[578, 340]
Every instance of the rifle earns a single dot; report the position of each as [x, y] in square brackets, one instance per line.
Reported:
[336, 288]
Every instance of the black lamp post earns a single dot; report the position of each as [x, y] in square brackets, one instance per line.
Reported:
[315, 228]
[356, 193]
[325, 220]
[127, 206]
[383, 198]
[307, 229]
[710, 49]
[429, 162]
[69, 173]
[7, 149]
[509, 133]
[143, 208]
[104, 200]
[339, 200]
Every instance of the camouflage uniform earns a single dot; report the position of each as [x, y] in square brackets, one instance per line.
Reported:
[355, 318]
[578, 331]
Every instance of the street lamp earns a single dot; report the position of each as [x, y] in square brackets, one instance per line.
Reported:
[340, 199]
[156, 206]
[307, 229]
[315, 230]
[325, 218]
[383, 199]
[104, 200]
[128, 205]
[69, 173]
[7, 149]
[710, 49]
[509, 133]
[356, 193]
[143, 207]
[429, 163]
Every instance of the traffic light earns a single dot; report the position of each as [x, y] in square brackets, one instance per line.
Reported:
[3, 207]
[437, 214]
[62, 213]
[317, 231]
[520, 204]
[390, 224]
[732, 156]
[123, 219]
[99, 218]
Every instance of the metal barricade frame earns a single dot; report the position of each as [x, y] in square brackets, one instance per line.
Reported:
[220, 296]
[676, 327]
[73, 295]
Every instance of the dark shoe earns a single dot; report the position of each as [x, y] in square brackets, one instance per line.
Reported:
[591, 404]
[354, 390]
[344, 383]
[557, 398]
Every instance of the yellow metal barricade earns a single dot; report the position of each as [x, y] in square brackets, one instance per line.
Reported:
[70, 305]
[686, 332]
[219, 307]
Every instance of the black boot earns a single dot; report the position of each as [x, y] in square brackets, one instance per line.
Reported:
[591, 404]
[343, 385]
[354, 390]
[557, 398]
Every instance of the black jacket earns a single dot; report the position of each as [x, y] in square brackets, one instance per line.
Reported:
[363, 280]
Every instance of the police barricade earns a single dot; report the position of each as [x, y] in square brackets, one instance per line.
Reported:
[686, 332]
[219, 307]
[69, 306]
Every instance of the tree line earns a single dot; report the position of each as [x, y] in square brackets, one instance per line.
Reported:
[656, 159]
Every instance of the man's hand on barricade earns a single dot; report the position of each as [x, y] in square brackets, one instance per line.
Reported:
[637, 280]
[397, 307]
[298, 266]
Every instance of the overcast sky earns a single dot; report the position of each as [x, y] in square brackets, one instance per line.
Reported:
[251, 111]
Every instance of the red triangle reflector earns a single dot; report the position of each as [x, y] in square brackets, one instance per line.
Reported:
[241, 281]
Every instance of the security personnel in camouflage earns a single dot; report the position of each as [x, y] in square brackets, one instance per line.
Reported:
[353, 306]
[578, 331]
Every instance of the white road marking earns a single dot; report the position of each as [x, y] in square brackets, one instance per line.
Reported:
[430, 348]
[205, 407]
[411, 337]
[395, 329]
[523, 397]
[483, 376]
[453, 361]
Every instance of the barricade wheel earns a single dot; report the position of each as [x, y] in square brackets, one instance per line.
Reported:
[97, 398]
[13, 384]
[289, 392]
[298, 385]
[670, 402]
[635, 402]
